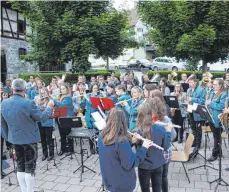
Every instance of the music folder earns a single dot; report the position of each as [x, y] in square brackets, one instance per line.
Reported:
[172, 101]
[185, 86]
[203, 111]
[59, 112]
[107, 103]
[96, 101]
[171, 88]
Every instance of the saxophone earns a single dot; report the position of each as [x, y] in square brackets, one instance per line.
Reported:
[224, 116]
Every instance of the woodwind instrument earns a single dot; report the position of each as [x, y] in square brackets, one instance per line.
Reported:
[120, 102]
[166, 124]
[143, 139]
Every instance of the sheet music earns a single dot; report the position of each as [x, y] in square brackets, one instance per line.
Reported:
[189, 108]
[194, 106]
[102, 113]
[100, 123]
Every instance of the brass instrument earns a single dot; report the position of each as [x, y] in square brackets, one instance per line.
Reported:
[224, 117]
[155, 77]
[206, 79]
[190, 77]
[171, 78]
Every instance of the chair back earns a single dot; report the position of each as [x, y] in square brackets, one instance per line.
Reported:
[188, 144]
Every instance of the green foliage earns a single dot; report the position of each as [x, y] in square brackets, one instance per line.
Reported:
[64, 31]
[198, 74]
[70, 78]
[193, 30]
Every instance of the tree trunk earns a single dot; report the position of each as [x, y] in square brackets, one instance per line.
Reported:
[204, 66]
[108, 63]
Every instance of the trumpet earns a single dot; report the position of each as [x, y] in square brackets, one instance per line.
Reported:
[143, 139]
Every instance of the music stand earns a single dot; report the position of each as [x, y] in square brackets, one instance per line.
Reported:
[185, 86]
[82, 133]
[172, 101]
[66, 124]
[219, 180]
[203, 111]
[153, 82]
[171, 88]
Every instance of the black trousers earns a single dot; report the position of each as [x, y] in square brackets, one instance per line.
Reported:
[46, 140]
[217, 139]
[2, 142]
[156, 179]
[179, 120]
[26, 157]
[165, 185]
[196, 130]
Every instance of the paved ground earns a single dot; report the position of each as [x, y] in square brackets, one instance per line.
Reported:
[64, 179]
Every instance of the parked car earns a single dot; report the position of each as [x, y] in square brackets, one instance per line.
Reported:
[167, 63]
[138, 64]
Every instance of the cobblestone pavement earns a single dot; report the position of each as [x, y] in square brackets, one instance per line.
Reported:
[63, 178]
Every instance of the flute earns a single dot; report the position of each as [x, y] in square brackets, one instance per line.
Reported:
[143, 139]
[165, 124]
[122, 101]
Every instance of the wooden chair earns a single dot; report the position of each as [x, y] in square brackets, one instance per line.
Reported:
[183, 156]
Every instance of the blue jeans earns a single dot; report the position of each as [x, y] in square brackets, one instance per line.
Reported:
[156, 179]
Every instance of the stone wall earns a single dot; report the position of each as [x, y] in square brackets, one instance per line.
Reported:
[14, 64]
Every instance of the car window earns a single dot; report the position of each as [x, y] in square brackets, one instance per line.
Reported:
[132, 61]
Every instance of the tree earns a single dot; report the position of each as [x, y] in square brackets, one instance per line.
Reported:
[189, 29]
[69, 31]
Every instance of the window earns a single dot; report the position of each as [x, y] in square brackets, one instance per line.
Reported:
[21, 52]
[21, 26]
[139, 30]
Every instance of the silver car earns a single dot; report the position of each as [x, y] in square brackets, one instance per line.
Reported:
[167, 63]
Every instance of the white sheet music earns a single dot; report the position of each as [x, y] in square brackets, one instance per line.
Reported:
[189, 108]
[100, 123]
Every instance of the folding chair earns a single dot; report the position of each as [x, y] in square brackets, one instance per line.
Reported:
[183, 156]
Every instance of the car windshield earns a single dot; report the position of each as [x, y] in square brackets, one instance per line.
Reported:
[144, 61]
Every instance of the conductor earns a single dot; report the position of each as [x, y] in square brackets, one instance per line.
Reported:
[19, 123]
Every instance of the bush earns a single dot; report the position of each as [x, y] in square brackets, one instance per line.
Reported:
[198, 74]
[70, 78]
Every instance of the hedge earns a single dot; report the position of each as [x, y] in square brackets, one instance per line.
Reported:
[198, 74]
[70, 78]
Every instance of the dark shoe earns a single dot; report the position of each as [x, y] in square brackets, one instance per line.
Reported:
[3, 175]
[180, 140]
[175, 140]
[50, 158]
[69, 153]
[227, 169]
[194, 145]
[212, 158]
[44, 157]
[61, 153]
[92, 151]
[193, 154]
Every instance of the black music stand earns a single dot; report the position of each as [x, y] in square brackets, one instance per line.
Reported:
[219, 180]
[185, 86]
[82, 134]
[203, 111]
[172, 101]
[67, 123]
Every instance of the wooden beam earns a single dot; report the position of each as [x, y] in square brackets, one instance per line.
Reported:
[17, 27]
[9, 22]
[1, 21]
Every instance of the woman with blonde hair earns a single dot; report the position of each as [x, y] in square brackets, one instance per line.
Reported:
[152, 166]
[117, 160]
[132, 108]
